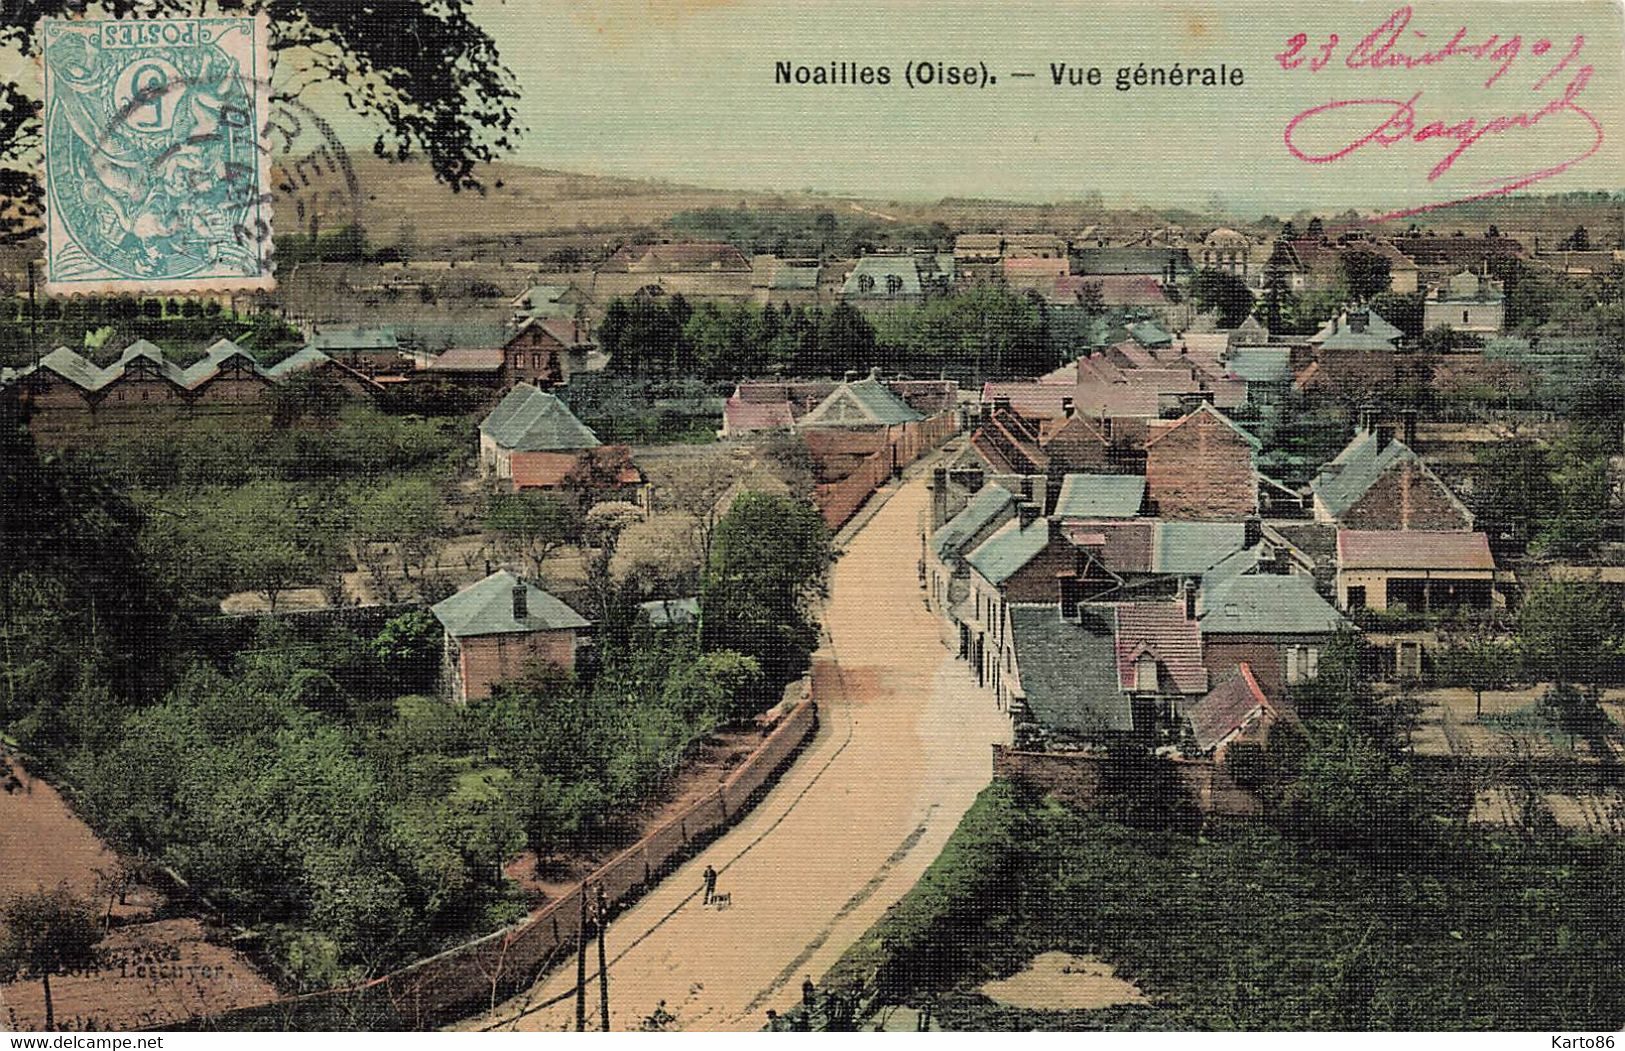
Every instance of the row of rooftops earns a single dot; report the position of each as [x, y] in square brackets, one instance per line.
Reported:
[869, 401]
[148, 358]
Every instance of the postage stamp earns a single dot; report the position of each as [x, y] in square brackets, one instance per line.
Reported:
[155, 176]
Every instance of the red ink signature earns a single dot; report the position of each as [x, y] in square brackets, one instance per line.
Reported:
[1399, 122]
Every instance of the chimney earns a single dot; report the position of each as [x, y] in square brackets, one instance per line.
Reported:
[1026, 488]
[1334, 323]
[874, 372]
[850, 376]
[1068, 406]
[1069, 590]
[1252, 532]
[1190, 598]
[1105, 424]
[1408, 422]
[1029, 515]
[1385, 434]
[521, 609]
[1357, 321]
[1001, 403]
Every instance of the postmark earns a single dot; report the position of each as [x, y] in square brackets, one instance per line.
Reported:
[156, 178]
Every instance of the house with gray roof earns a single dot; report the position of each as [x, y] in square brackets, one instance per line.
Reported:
[1277, 624]
[860, 403]
[1378, 482]
[1100, 496]
[497, 627]
[886, 280]
[1063, 686]
[947, 573]
[529, 420]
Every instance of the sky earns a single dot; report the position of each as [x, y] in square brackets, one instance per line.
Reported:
[686, 91]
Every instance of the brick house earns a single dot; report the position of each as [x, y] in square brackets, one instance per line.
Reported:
[1200, 468]
[1238, 709]
[495, 627]
[1378, 482]
[546, 351]
[1277, 625]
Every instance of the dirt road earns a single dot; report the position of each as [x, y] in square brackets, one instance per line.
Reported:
[901, 751]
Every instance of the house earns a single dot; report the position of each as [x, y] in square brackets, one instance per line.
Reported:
[664, 613]
[496, 627]
[771, 405]
[1277, 624]
[1158, 648]
[547, 352]
[947, 575]
[1377, 482]
[1169, 266]
[367, 350]
[1115, 290]
[1417, 570]
[1200, 468]
[1439, 257]
[226, 375]
[548, 301]
[465, 366]
[535, 442]
[1359, 320]
[867, 403]
[882, 280]
[1228, 250]
[1468, 303]
[1238, 709]
[1100, 496]
[697, 269]
[313, 365]
[1063, 687]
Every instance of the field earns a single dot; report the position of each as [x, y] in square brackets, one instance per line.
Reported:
[154, 970]
[1244, 928]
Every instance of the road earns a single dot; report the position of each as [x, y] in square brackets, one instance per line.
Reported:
[902, 750]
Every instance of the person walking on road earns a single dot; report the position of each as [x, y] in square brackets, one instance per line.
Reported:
[710, 884]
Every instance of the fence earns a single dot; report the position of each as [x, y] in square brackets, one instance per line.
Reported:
[839, 501]
[477, 975]
[1075, 778]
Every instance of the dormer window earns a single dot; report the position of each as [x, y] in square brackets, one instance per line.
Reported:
[1145, 675]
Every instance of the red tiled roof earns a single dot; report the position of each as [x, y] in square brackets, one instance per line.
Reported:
[1129, 546]
[1227, 707]
[1161, 630]
[1412, 549]
[543, 470]
[1027, 265]
[743, 416]
[467, 359]
[1116, 290]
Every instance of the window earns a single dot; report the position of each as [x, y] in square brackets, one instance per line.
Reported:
[1464, 317]
[1145, 675]
[1356, 596]
[1293, 663]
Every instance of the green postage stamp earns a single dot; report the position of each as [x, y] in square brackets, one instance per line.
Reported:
[155, 175]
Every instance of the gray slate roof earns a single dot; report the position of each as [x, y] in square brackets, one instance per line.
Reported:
[1261, 364]
[1351, 340]
[1100, 496]
[1001, 555]
[979, 512]
[486, 608]
[1375, 324]
[1150, 334]
[879, 268]
[861, 403]
[1267, 604]
[532, 420]
[1068, 671]
[303, 358]
[357, 338]
[1194, 547]
[1352, 472]
[667, 612]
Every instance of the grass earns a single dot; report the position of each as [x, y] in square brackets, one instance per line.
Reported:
[1246, 929]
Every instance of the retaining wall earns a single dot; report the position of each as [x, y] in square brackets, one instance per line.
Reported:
[1075, 779]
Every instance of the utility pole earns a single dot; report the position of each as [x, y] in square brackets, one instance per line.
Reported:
[603, 962]
[581, 966]
[33, 315]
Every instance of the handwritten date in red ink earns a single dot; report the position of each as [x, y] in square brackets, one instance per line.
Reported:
[1395, 49]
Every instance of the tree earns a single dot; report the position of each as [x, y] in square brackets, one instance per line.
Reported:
[47, 932]
[534, 525]
[1569, 632]
[409, 647]
[433, 83]
[1480, 660]
[1316, 230]
[1223, 293]
[769, 566]
[403, 516]
[1578, 241]
[697, 488]
[659, 555]
[1365, 273]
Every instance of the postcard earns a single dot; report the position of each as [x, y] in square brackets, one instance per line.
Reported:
[746, 515]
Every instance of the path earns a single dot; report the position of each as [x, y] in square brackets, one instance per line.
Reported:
[901, 752]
